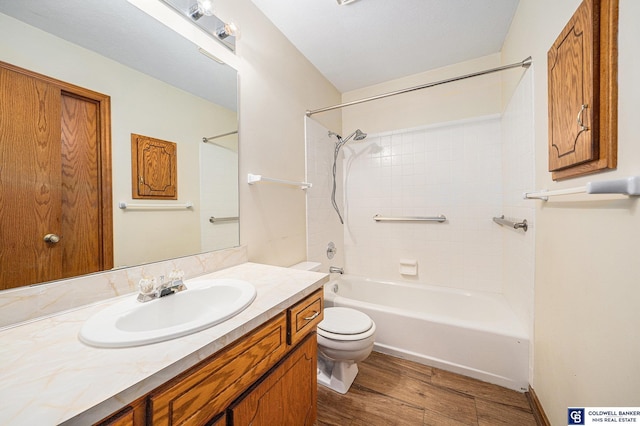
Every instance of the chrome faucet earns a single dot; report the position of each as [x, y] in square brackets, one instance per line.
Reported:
[335, 269]
[150, 289]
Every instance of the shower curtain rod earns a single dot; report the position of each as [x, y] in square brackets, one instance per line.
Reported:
[524, 64]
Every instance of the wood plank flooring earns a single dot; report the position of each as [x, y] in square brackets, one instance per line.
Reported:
[393, 391]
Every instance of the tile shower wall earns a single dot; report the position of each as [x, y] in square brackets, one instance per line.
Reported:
[454, 169]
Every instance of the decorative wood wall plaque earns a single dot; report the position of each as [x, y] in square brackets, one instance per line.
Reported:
[154, 168]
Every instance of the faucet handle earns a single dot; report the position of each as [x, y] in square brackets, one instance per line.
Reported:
[146, 286]
[176, 276]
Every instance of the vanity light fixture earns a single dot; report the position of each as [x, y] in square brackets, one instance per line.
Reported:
[229, 29]
[345, 2]
[201, 8]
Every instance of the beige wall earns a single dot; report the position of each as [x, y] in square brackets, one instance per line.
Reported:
[464, 99]
[277, 86]
[587, 283]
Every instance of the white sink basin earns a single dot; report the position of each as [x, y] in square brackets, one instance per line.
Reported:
[131, 323]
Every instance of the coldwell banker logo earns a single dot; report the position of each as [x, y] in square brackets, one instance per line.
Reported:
[598, 415]
[576, 416]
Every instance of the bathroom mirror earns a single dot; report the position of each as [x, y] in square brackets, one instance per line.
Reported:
[160, 85]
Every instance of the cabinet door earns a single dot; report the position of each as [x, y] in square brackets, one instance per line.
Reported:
[287, 396]
[206, 390]
[132, 415]
[583, 92]
[572, 125]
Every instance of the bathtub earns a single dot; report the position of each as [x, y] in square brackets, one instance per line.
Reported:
[471, 333]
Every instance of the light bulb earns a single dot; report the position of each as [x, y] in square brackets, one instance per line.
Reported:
[206, 7]
[229, 29]
[201, 8]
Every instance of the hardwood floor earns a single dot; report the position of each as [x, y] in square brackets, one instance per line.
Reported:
[393, 391]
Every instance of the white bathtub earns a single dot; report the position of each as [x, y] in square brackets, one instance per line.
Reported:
[471, 333]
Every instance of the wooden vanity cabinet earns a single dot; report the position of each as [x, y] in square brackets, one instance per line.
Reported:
[582, 73]
[131, 415]
[205, 391]
[284, 397]
[267, 377]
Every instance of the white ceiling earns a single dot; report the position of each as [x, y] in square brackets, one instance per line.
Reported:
[373, 41]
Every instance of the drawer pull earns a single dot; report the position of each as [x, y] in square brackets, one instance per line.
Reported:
[314, 316]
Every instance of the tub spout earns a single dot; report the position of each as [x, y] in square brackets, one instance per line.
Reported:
[335, 269]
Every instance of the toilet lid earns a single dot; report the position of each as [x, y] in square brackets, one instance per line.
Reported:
[345, 321]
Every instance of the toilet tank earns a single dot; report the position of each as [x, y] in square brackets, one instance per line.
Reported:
[307, 266]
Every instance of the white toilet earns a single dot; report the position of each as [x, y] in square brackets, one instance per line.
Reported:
[345, 337]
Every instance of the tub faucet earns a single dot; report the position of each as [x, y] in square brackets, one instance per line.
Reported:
[335, 269]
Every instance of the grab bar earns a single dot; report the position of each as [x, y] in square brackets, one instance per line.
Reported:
[515, 225]
[127, 206]
[213, 219]
[440, 218]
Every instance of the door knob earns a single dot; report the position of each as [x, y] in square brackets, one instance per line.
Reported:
[51, 238]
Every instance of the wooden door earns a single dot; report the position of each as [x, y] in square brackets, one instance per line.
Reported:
[30, 194]
[80, 184]
[55, 168]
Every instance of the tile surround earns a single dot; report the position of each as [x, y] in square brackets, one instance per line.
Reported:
[453, 169]
[469, 170]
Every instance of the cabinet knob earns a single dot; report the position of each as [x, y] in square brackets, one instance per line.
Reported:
[51, 238]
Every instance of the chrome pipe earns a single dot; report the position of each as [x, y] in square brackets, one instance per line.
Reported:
[522, 64]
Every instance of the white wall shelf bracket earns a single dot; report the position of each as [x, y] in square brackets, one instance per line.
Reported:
[251, 179]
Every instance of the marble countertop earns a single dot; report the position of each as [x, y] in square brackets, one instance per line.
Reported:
[49, 377]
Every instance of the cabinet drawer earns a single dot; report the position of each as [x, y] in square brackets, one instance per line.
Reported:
[207, 389]
[303, 317]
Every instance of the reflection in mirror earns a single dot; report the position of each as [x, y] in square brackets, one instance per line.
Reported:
[159, 85]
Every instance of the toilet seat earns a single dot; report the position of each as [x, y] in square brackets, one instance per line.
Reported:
[345, 324]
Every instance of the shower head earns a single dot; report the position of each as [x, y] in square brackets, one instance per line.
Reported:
[358, 135]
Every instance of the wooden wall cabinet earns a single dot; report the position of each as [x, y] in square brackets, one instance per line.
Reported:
[582, 72]
[154, 168]
[259, 380]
